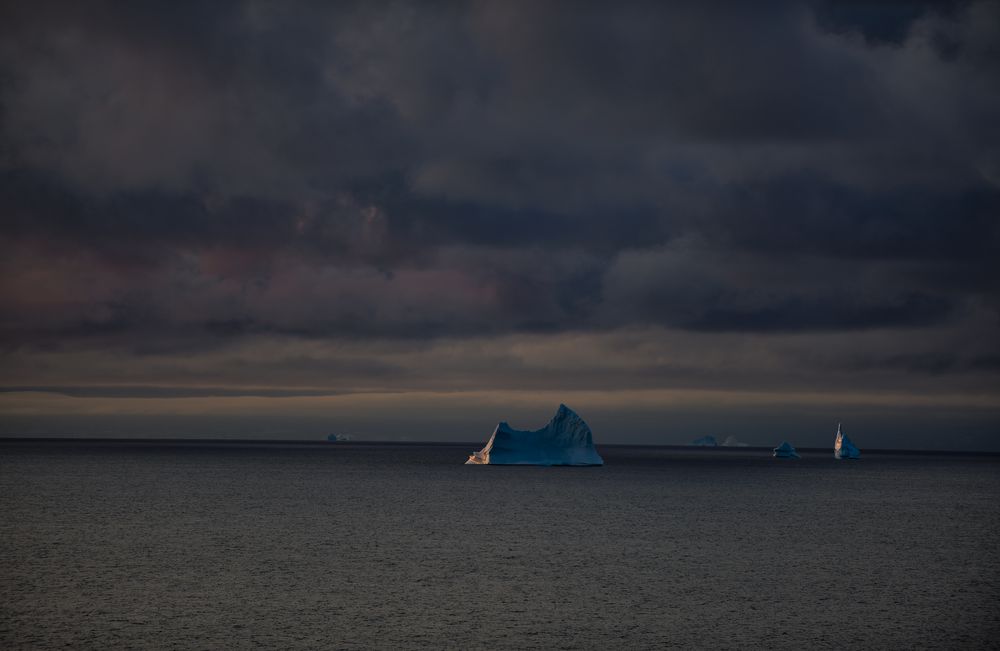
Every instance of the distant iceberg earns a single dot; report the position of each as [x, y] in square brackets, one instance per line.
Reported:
[565, 441]
[338, 438]
[706, 442]
[733, 442]
[843, 448]
[786, 451]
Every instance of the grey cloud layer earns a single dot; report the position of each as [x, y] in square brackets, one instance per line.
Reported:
[177, 174]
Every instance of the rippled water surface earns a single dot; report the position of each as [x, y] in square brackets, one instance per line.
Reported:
[352, 546]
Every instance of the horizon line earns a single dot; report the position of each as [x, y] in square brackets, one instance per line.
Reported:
[323, 443]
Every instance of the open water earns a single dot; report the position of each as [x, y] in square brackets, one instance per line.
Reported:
[378, 546]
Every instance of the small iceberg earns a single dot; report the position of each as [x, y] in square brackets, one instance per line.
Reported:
[843, 448]
[338, 438]
[706, 442]
[565, 441]
[733, 442]
[786, 451]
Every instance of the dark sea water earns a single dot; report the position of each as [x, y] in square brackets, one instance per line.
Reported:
[353, 546]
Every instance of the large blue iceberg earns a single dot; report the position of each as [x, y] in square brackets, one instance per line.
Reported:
[843, 448]
[565, 441]
[786, 451]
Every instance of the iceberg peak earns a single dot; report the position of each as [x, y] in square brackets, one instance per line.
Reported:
[565, 441]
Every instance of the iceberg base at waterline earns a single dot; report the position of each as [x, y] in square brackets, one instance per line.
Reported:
[786, 451]
[565, 441]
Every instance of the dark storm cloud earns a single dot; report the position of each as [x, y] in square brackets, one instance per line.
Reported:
[879, 22]
[790, 314]
[178, 174]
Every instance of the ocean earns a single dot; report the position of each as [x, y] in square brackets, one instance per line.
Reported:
[351, 546]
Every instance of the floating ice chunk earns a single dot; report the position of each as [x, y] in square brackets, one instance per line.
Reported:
[786, 451]
[706, 442]
[843, 448]
[732, 442]
[338, 438]
[565, 441]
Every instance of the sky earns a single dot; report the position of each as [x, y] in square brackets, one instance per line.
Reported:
[409, 221]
